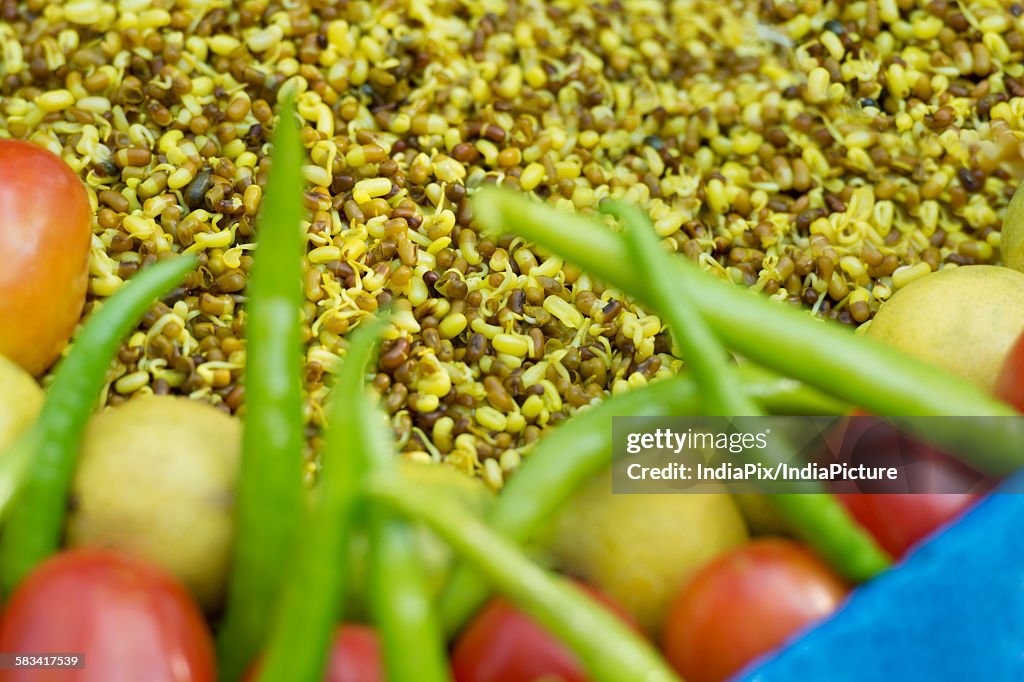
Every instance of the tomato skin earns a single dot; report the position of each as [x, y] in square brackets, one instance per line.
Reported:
[45, 234]
[131, 620]
[355, 656]
[501, 644]
[896, 519]
[1010, 384]
[744, 604]
[899, 521]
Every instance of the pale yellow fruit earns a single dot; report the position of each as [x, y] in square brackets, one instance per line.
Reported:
[1011, 244]
[20, 401]
[963, 319]
[640, 549]
[156, 478]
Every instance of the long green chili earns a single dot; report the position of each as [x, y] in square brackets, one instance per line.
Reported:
[270, 488]
[413, 642]
[610, 650]
[301, 635]
[823, 523]
[859, 370]
[780, 395]
[704, 355]
[579, 449]
[814, 515]
[401, 605]
[49, 448]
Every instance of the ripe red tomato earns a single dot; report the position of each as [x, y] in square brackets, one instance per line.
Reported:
[1010, 384]
[896, 519]
[744, 604]
[130, 620]
[355, 657]
[45, 233]
[899, 521]
[502, 644]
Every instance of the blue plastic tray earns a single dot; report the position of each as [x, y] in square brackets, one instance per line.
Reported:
[953, 610]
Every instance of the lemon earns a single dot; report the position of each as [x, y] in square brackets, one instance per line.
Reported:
[640, 549]
[156, 478]
[963, 319]
[20, 401]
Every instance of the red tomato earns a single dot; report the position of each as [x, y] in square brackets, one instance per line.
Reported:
[899, 521]
[896, 519]
[130, 620]
[355, 657]
[1010, 384]
[45, 233]
[502, 644]
[745, 604]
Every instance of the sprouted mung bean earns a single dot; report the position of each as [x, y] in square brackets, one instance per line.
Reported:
[824, 153]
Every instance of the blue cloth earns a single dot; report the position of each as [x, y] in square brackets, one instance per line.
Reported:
[953, 610]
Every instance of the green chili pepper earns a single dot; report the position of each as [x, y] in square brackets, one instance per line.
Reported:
[270, 488]
[609, 649]
[310, 603]
[414, 646]
[779, 395]
[704, 355]
[402, 608]
[814, 515]
[50, 447]
[859, 370]
[581, 448]
[822, 522]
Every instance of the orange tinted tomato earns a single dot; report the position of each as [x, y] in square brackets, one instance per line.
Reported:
[355, 656]
[502, 644]
[130, 620]
[745, 604]
[45, 233]
[1010, 384]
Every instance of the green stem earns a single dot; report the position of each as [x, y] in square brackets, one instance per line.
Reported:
[47, 453]
[610, 650]
[270, 489]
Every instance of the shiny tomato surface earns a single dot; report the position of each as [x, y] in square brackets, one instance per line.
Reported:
[45, 234]
[1010, 384]
[501, 644]
[744, 604]
[900, 521]
[355, 657]
[130, 620]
